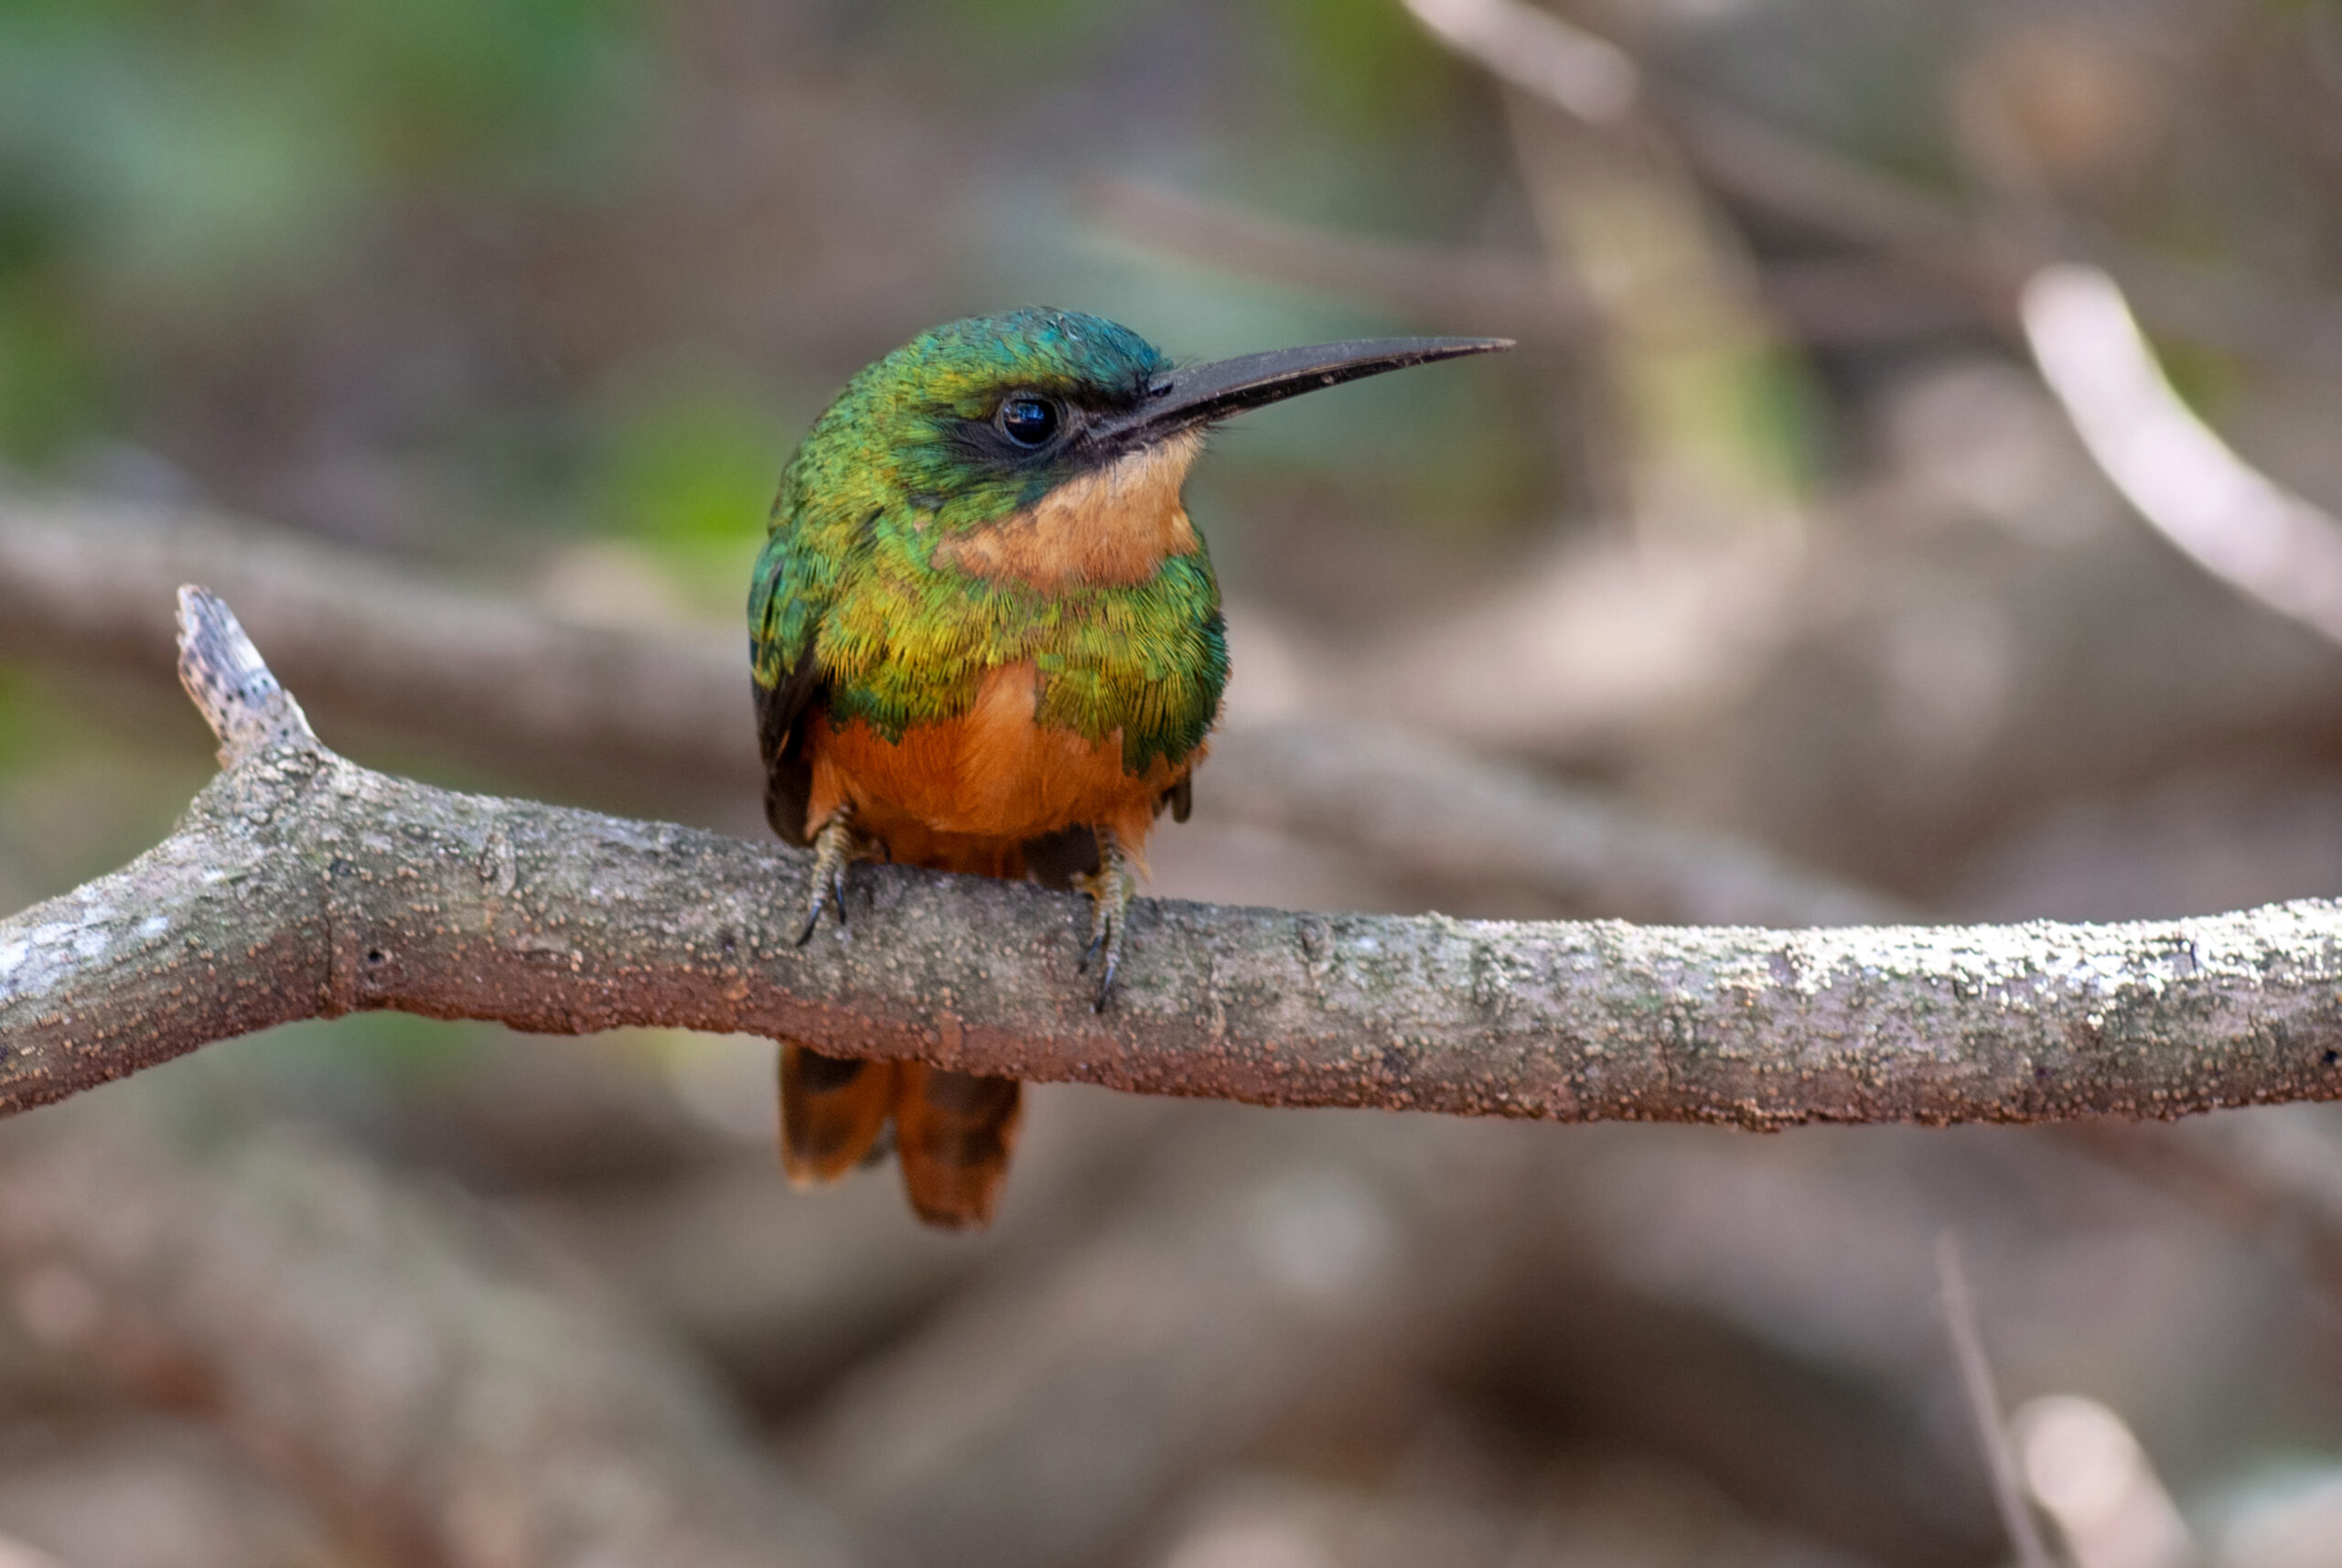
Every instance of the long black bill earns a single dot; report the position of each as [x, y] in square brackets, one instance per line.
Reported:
[1198, 394]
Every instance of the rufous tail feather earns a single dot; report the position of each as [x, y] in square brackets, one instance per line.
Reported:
[832, 1110]
[954, 1134]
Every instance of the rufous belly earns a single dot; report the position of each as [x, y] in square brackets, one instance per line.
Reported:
[962, 794]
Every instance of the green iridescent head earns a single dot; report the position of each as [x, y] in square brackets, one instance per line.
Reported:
[975, 419]
[882, 587]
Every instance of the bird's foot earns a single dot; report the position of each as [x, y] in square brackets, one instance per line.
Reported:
[1111, 888]
[835, 847]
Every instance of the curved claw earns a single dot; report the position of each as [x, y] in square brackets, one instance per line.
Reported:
[833, 849]
[1106, 974]
[1110, 887]
[1110, 944]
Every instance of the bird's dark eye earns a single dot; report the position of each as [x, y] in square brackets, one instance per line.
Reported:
[1028, 420]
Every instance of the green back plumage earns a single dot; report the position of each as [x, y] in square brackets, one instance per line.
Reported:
[847, 600]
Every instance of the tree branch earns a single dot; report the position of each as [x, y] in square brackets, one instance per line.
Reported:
[302, 886]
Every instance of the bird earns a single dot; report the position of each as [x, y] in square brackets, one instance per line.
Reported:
[986, 639]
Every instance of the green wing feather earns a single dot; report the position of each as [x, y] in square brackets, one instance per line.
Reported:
[784, 621]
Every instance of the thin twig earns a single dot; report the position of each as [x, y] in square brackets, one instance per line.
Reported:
[1592, 78]
[1984, 1406]
[2227, 516]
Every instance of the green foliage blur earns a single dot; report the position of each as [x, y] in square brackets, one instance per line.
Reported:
[175, 175]
[166, 166]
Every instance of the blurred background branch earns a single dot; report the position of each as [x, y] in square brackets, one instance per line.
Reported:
[2178, 475]
[445, 1399]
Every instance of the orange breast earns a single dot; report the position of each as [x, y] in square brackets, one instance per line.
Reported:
[963, 793]
[1117, 525]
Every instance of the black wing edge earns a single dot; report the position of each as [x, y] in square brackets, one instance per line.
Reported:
[781, 712]
[1054, 860]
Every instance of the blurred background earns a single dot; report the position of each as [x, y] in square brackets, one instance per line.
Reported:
[1798, 563]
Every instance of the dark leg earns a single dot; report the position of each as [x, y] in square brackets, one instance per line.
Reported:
[1110, 887]
[834, 848]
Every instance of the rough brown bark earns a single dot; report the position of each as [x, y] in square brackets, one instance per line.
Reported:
[302, 886]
